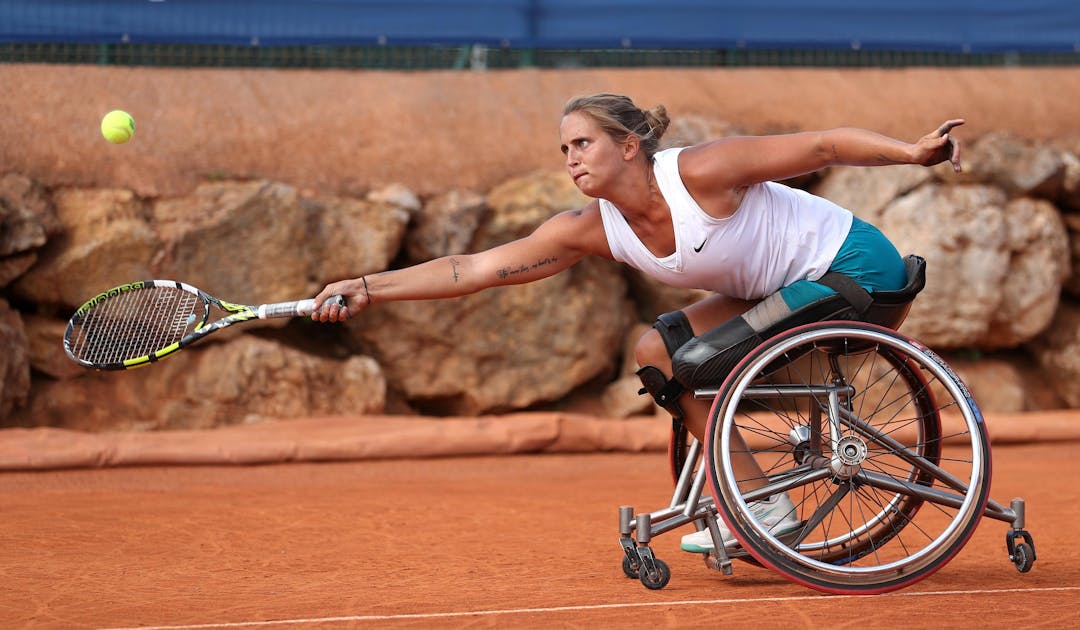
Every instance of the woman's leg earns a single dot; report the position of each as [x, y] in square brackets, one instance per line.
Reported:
[776, 512]
[650, 350]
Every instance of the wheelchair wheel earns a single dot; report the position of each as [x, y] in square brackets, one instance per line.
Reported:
[877, 443]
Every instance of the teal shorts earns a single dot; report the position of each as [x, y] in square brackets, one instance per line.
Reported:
[866, 256]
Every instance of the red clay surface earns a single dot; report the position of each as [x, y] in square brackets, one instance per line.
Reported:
[499, 541]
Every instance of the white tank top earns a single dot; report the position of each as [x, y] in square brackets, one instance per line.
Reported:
[777, 236]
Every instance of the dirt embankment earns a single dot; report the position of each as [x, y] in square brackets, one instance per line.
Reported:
[347, 131]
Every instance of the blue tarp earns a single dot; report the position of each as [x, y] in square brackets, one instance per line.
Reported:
[943, 25]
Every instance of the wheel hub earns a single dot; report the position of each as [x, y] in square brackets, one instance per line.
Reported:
[849, 455]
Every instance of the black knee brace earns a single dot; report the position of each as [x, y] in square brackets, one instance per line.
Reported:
[665, 391]
[707, 359]
[675, 331]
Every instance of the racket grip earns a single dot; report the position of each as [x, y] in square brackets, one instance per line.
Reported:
[302, 308]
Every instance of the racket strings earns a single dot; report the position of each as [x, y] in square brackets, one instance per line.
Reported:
[136, 323]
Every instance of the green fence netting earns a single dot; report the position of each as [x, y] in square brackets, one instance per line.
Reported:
[482, 57]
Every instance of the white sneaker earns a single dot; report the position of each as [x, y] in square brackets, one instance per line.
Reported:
[776, 512]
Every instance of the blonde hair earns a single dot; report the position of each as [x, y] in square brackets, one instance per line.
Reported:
[619, 117]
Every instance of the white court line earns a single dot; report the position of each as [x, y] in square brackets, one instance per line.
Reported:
[529, 611]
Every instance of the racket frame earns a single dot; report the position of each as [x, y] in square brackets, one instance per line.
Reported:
[236, 313]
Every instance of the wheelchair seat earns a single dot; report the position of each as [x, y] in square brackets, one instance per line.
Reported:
[886, 308]
[705, 360]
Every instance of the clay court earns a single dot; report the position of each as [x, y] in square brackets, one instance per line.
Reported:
[526, 540]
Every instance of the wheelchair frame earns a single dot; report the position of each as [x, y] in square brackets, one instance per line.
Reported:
[874, 434]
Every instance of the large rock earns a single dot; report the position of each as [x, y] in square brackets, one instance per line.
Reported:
[1039, 263]
[504, 348]
[352, 237]
[1070, 186]
[1072, 285]
[245, 380]
[996, 384]
[1058, 353]
[521, 204]
[107, 240]
[445, 225]
[27, 217]
[11, 267]
[14, 361]
[621, 397]
[247, 242]
[868, 191]
[255, 242]
[1017, 165]
[395, 195]
[45, 336]
[1069, 201]
[994, 267]
[691, 129]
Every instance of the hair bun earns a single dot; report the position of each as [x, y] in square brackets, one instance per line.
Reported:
[658, 120]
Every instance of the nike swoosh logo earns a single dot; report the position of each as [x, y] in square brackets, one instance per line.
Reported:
[698, 248]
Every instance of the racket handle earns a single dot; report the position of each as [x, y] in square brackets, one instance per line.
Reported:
[303, 308]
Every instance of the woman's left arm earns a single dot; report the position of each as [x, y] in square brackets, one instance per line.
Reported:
[741, 161]
[859, 147]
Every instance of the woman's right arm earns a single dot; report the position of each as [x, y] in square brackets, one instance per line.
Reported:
[557, 244]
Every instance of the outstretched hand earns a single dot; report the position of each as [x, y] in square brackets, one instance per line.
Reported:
[939, 146]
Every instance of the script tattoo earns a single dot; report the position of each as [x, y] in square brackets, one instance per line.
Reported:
[506, 272]
[454, 269]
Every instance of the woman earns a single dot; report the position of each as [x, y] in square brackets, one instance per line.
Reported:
[704, 217]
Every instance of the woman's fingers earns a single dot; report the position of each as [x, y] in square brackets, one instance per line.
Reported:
[330, 309]
[942, 146]
[954, 154]
[948, 126]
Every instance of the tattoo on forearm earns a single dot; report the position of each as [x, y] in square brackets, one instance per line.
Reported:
[835, 153]
[506, 272]
[454, 269]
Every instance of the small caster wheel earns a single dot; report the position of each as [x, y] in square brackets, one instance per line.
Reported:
[629, 569]
[1023, 557]
[661, 577]
[1022, 553]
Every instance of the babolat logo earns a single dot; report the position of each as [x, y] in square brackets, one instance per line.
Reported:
[113, 292]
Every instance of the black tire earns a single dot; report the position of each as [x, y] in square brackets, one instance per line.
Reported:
[1023, 557]
[660, 580]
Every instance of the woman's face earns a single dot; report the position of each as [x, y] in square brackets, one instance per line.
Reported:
[593, 158]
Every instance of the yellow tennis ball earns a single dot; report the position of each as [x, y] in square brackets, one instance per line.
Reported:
[118, 126]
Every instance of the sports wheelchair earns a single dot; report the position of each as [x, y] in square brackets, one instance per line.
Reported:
[876, 441]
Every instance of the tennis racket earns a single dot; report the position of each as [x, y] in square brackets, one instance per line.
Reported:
[136, 324]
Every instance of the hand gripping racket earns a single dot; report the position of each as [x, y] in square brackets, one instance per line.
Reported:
[136, 324]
